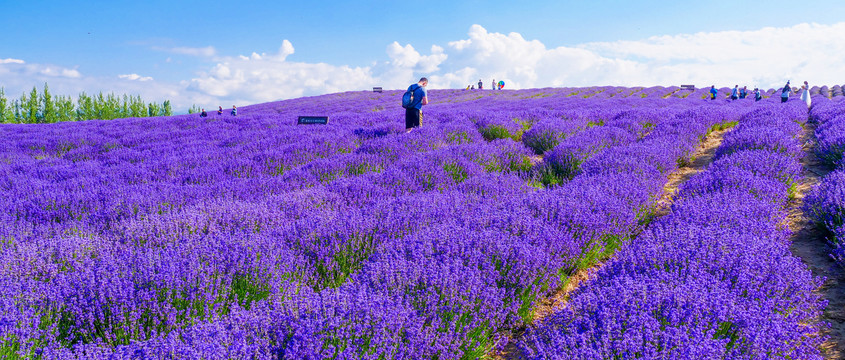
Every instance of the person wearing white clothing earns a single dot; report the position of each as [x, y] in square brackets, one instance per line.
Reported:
[805, 95]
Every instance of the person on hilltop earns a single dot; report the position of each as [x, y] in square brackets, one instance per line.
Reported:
[203, 113]
[784, 94]
[480, 85]
[805, 94]
[743, 93]
[757, 95]
[713, 92]
[234, 110]
[493, 87]
[735, 92]
[219, 110]
[413, 110]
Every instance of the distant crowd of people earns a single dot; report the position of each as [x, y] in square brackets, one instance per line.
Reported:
[742, 93]
[495, 85]
[418, 97]
[234, 111]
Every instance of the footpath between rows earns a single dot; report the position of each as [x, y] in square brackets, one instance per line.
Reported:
[546, 307]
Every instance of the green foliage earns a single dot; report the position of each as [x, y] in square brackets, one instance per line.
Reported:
[722, 126]
[6, 112]
[32, 107]
[494, 132]
[457, 172]
[457, 138]
[35, 108]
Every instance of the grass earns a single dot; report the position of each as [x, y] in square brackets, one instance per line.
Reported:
[350, 258]
[494, 132]
[457, 172]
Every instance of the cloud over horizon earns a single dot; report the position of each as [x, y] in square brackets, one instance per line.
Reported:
[765, 57]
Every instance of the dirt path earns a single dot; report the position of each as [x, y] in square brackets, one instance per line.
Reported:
[703, 156]
[808, 243]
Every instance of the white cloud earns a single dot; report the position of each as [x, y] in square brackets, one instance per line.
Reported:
[207, 51]
[135, 77]
[267, 77]
[19, 69]
[764, 57]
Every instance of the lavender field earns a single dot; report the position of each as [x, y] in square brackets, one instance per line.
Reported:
[252, 237]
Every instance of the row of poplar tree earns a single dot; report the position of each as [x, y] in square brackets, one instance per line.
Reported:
[44, 107]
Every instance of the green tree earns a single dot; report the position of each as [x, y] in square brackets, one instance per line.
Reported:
[49, 112]
[64, 109]
[124, 108]
[100, 106]
[137, 108]
[18, 112]
[194, 109]
[167, 110]
[32, 107]
[86, 109]
[6, 114]
[153, 109]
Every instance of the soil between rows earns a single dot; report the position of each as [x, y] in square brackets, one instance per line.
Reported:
[702, 157]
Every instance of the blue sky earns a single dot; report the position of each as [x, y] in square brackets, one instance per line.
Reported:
[210, 52]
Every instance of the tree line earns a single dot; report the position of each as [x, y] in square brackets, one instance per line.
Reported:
[44, 107]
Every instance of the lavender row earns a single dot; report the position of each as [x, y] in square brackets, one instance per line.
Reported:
[715, 278]
[825, 204]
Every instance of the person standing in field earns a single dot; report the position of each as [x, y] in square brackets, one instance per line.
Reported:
[743, 93]
[480, 85]
[413, 113]
[493, 87]
[203, 113]
[735, 92]
[805, 94]
[713, 92]
[219, 110]
[757, 95]
[784, 94]
[234, 110]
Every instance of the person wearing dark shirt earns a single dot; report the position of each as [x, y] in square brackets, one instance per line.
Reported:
[234, 110]
[219, 110]
[480, 85]
[413, 114]
[203, 113]
[784, 94]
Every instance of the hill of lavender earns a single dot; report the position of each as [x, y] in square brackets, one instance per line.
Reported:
[249, 236]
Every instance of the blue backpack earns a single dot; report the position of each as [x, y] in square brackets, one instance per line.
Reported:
[408, 100]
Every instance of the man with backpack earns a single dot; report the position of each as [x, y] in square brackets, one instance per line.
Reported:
[413, 100]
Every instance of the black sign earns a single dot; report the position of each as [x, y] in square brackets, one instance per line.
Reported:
[377, 89]
[322, 120]
[687, 87]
